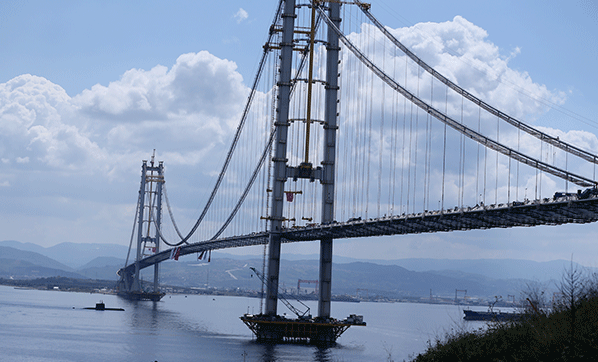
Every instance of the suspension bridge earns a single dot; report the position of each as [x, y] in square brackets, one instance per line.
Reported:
[347, 133]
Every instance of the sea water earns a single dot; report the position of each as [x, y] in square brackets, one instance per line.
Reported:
[37, 325]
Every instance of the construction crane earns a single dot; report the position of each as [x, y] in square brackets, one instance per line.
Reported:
[304, 315]
[308, 282]
[464, 294]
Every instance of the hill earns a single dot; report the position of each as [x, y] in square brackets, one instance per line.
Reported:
[564, 332]
[73, 255]
[489, 268]
[412, 279]
[32, 258]
[103, 267]
[371, 279]
[26, 270]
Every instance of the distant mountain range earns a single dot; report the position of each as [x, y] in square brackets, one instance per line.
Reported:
[74, 255]
[390, 278]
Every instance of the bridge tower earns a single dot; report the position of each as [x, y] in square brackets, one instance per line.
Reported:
[282, 171]
[148, 224]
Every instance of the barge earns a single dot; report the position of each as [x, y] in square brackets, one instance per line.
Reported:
[304, 329]
[138, 295]
[277, 329]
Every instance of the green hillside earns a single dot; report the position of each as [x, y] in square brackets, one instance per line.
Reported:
[565, 332]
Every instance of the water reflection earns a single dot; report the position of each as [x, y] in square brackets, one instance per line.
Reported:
[195, 331]
[287, 352]
[269, 352]
[145, 316]
[322, 354]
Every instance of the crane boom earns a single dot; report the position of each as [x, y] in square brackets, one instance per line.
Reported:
[285, 301]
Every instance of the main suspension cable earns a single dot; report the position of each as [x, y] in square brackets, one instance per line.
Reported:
[555, 141]
[489, 143]
[239, 129]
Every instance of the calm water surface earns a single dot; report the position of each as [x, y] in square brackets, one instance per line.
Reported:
[52, 326]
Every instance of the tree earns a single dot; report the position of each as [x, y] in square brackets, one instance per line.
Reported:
[534, 297]
[573, 290]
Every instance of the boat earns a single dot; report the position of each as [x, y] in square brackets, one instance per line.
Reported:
[102, 306]
[491, 315]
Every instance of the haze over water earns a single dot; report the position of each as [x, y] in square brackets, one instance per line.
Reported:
[40, 325]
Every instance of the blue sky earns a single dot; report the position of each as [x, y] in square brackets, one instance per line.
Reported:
[77, 45]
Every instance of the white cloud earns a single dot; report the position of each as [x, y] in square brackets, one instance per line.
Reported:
[100, 136]
[198, 83]
[36, 125]
[184, 110]
[459, 50]
[241, 15]
[582, 139]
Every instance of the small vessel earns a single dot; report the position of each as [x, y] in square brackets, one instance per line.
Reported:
[102, 306]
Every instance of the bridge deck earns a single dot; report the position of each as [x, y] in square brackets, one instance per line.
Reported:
[531, 213]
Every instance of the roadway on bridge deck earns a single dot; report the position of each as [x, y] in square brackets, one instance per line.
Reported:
[531, 213]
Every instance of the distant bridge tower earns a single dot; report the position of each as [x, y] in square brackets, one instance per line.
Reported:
[148, 224]
[325, 174]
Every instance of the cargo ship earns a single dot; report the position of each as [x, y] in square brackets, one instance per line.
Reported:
[471, 315]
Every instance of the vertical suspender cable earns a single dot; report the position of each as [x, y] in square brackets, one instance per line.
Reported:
[403, 143]
[444, 153]
[477, 181]
[461, 160]
[410, 160]
[541, 159]
[485, 170]
[381, 143]
[566, 168]
[393, 142]
[517, 188]
[428, 151]
[496, 173]
[370, 108]
[415, 147]
[509, 184]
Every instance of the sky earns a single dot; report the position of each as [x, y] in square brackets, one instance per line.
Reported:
[89, 89]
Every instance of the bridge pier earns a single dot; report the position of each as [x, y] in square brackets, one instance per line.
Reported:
[325, 278]
[273, 272]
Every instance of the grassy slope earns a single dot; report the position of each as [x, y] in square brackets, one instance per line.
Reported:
[539, 338]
